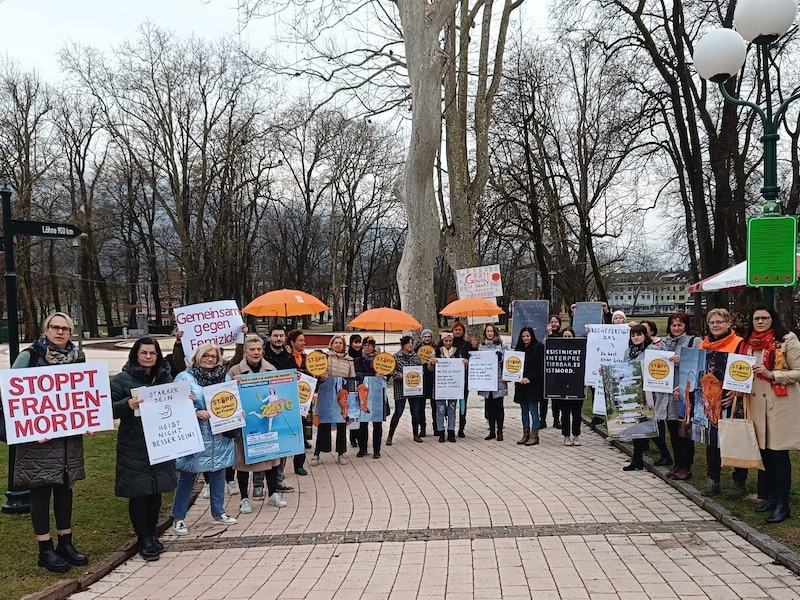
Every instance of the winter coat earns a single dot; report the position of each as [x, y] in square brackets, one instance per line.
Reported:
[52, 462]
[502, 386]
[218, 453]
[403, 360]
[777, 418]
[533, 371]
[340, 365]
[135, 475]
[281, 361]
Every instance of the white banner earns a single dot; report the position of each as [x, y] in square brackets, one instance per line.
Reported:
[658, 371]
[482, 373]
[605, 344]
[739, 373]
[218, 323]
[483, 282]
[513, 365]
[225, 406]
[412, 381]
[171, 429]
[599, 399]
[52, 402]
[449, 379]
[306, 385]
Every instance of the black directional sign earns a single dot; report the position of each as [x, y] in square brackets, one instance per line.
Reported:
[42, 229]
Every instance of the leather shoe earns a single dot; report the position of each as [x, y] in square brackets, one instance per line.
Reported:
[53, 562]
[781, 513]
[158, 545]
[664, 461]
[767, 506]
[634, 465]
[681, 475]
[148, 550]
[71, 555]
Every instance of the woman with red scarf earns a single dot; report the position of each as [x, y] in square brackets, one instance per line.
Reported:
[774, 404]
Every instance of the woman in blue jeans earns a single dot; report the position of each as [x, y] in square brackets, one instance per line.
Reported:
[205, 368]
[406, 358]
[530, 391]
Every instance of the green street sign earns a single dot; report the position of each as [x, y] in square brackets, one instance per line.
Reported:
[772, 251]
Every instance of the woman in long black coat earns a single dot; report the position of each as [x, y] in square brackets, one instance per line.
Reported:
[137, 480]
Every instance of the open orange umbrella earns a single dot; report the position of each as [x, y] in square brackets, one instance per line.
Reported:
[388, 319]
[472, 306]
[285, 303]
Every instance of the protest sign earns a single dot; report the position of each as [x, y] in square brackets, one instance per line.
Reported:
[412, 381]
[449, 379]
[564, 366]
[219, 323]
[482, 372]
[348, 400]
[272, 407]
[513, 365]
[739, 373]
[481, 282]
[606, 344]
[169, 420]
[52, 402]
[530, 313]
[384, 363]
[629, 413]
[585, 314]
[370, 405]
[222, 400]
[305, 391]
[317, 363]
[425, 352]
[598, 399]
[658, 371]
[700, 391]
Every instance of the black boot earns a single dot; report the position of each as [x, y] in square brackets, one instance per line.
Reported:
[664, 461]
[441, 436]
[634, 465]
[68, 552]
[423, 430]
[491, 435]
[462, 422]
[148, 550]
[780, 514]
[499, 433]
[767, 506]
[451, 435]
[50, 560]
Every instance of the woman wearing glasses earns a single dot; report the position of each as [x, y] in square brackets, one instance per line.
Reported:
[774, 404]
[137, 480]
[51, 467]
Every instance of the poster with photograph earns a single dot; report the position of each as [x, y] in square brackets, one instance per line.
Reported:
[629, 412]
[700, 391]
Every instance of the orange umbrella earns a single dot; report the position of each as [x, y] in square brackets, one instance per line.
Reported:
[472, 307]
[285, 303]
[388, 319]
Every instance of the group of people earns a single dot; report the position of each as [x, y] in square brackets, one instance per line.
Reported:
[50, 468]
[773, 404]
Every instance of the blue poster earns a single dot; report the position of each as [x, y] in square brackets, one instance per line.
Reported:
[273, 427]
[700, 391]
[533, 314]
[350, 400]
[586, 313]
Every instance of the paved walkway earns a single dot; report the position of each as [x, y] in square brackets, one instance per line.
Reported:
[473, 519]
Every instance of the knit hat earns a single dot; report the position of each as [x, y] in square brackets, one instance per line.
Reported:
[426, 332]
[618, 312]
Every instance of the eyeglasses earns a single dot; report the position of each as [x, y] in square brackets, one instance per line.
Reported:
[762, 318]
[209, 356]
[60, 329]
[717, 322]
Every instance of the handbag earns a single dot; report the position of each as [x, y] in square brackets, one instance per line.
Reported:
[738, 445]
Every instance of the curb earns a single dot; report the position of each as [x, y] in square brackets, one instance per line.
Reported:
[772, 548]
[62, 589]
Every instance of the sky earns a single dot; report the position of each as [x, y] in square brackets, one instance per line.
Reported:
[35, 30]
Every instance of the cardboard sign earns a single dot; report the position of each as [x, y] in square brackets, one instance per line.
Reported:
[606, 344]
[658, 371]
[52, 402]
[739, 373]
[219, 323]
[169, 420]
[513, 365]
[564, 368]
[482, 373]
[412, 381]
[225, 407]
[305, 391]
[384, 363]
[271, 402]
[317, 363]
[449, 379]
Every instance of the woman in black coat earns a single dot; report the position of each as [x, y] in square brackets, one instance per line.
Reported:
[530, 391]
[137, 480]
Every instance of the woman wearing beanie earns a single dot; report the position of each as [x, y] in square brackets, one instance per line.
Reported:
[425, 349]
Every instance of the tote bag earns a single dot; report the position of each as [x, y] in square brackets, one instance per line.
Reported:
[738, 444]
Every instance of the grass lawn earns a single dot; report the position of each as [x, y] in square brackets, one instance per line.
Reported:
[100, 522]
[787, 533]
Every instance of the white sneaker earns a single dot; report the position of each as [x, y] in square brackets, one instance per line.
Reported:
[343, 459]
[576, 440]
[233, 489]
[180, 527]
[567, 440]
[245, 507]
[206, 492]
[223, 519]
[276, 500]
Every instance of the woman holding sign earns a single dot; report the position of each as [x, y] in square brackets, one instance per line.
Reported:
[530, 391]
[406, 357]
[137, 480]
[774, 404]
[492, 342]
[51, 467]
[340, 364]
[638, 341]
[205, 368]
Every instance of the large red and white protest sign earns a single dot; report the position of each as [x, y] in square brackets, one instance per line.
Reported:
[219, 323]
[52, 402]
[483, 282]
